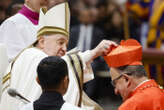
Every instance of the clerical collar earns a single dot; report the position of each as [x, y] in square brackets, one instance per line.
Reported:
[141, 84]
[31, 15]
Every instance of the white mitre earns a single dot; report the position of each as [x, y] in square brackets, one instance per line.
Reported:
[54, 21]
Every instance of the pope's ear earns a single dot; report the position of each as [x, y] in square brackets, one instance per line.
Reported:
[41, 42]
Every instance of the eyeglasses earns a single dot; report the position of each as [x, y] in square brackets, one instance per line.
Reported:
[113, 82]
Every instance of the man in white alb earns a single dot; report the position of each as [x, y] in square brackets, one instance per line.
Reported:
[19, 31]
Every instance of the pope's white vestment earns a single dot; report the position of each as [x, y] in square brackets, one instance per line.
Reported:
[23, 79]
[17, 33]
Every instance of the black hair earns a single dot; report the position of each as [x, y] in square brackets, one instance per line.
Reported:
[134, 70]
[51, 71]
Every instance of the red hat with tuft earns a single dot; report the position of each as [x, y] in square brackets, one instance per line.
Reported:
[129, 52]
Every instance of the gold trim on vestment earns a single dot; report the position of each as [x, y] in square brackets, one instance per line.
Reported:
[66, 17]
[44, 10]
[78, 68]
[80, 75]
[90, 103]
[83, 99]
[52, 30]
[6, 77]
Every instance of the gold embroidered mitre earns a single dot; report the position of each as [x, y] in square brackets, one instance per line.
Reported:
[54, 21]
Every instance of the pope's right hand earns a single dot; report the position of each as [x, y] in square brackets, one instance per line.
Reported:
[103, 48]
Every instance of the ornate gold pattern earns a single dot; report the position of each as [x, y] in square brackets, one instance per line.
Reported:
[78, 74]
[50, 30]
[6, 77]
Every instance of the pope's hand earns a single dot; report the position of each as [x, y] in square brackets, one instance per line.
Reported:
[103, 48]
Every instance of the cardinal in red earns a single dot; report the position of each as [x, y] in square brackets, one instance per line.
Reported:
[129, 78]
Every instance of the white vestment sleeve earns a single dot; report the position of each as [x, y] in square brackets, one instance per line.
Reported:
[88, 72]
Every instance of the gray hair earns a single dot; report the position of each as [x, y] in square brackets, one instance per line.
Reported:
[133, 70]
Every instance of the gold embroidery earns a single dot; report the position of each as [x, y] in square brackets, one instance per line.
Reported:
[66, 17]
[78, 73]
[6, 77]
[50, 29]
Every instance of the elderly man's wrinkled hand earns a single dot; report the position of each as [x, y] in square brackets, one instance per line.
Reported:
[104, 47]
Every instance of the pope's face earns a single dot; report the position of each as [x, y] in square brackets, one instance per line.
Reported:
[120, 83]
[55, 45]
[36, 4]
